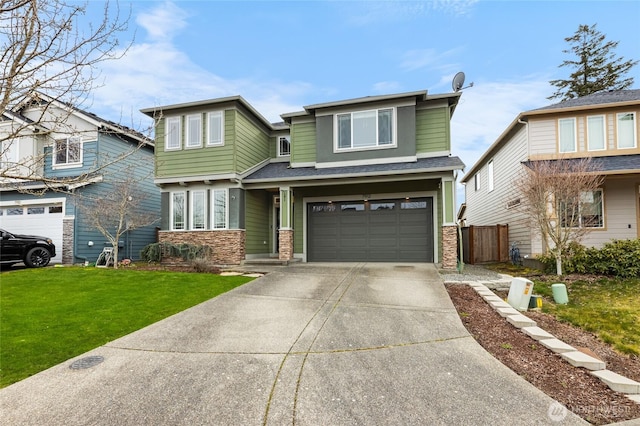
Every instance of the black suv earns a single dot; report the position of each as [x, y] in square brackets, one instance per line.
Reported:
[34, 251]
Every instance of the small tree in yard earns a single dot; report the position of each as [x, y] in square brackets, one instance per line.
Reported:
[117, 211]
[556, 196]
[596, 66]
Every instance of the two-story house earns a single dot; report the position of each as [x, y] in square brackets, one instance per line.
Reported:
[368, 179]
[53, 156]
[603, 126]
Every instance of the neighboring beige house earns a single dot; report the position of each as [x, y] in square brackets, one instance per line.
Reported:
[602, 125]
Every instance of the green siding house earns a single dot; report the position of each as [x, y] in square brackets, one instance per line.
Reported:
[367, 179]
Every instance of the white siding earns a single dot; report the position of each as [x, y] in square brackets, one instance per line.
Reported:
[490, 208]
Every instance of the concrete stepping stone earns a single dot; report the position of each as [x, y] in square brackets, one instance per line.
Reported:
[579, 359]
[537, 333]
[520, 321]
[557, 346]
[495, 304]
[507, 311]
[617, 382]
[634, 398]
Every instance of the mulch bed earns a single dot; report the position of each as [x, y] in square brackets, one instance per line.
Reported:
[575, 388]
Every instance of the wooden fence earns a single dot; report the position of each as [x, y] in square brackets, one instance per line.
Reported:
[485, 244]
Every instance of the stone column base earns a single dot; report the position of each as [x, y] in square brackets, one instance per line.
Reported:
[449, 247]
[285, 244]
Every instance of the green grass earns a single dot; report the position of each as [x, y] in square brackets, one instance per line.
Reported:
[606, 306]
[52, 314]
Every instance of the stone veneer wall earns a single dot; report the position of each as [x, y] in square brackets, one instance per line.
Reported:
[449, 247]
[285, 244]
[67, 242]
[228, 245]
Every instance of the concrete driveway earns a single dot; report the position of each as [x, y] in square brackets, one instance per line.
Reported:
[309, 344]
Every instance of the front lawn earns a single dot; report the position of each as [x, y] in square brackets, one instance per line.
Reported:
[606, 306]
[52, 314]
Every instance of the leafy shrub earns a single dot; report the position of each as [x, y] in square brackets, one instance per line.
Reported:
[619, 258]
[157, 251]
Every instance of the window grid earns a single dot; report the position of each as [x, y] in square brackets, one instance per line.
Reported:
[172, 133]
[194, 131]
[215, 128]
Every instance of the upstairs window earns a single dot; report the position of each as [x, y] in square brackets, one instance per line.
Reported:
[68, 152]
[490, 175]
[8, 153]
[567, 135]
[476, 180]
[595, 133]
[365, 129]
[194, 131]
[215, 134]
[627, 137]
[173, 133]
[284, 146]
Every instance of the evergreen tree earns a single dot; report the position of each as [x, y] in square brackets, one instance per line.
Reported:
[596, 66]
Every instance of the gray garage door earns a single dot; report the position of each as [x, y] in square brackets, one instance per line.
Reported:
[376, 231]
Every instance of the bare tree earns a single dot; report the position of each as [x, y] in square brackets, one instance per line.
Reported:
[45, 50]
[557, 195]
[117, 211]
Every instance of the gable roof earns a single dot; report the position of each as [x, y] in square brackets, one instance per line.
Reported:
[607, 99]
[38, 98]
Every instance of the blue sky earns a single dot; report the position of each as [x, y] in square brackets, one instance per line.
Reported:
[281, 56]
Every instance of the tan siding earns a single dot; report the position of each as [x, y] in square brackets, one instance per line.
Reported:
[432, 130]
[490, 208]
[257, 222]
[620, 204]
[542, 136]
[303, 142]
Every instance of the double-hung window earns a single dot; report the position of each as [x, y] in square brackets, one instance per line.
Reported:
[365, 129]
[284, 146]
[567, 135]
[215, 128]
[219, 208]
[595, 133]
[627, 137]
[173, 133]
[194, 131]
[198, 210]
[68, 152]
[177, 210]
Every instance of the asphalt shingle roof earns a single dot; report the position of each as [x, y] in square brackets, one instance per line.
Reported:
[612, 96]
[275, 171]
[613, 163]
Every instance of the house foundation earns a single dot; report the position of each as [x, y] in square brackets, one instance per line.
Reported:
[227, 246]
[449, 247]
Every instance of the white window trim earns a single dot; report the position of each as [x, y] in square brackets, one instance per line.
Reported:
[280, 154]
[213, 209]
[67, 165]
[187, 143]
[575, 136]
[192, 210]
[171, 207]
[490, 175]
[604, 133]
[167, 126]
[209, 138]
[394, 133]
[635, 132]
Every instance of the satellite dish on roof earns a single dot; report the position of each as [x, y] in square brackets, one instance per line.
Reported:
[458, 82]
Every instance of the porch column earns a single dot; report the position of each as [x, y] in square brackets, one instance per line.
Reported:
[285, 234]
[449, 227]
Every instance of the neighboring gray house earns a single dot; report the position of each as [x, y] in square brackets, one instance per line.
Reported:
[603, 126]
[63, 141]
[367, 179]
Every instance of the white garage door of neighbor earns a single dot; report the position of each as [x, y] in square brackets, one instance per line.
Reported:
[42, 219]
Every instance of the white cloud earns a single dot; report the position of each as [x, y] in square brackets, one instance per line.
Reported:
[387, 87]
[164, 22]
[430, 59]
[485, 111]
[361, 13]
